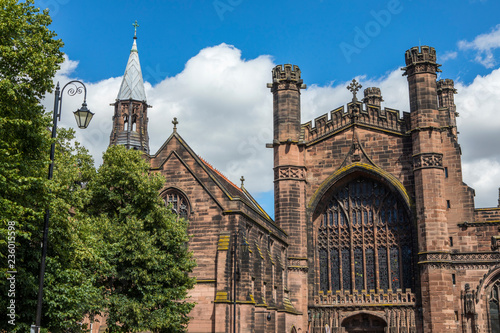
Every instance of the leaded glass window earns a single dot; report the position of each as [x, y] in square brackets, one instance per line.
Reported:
[370, 269]
[494, 305]
[335, 273]
[395, 276]
[178, 202]
[323, 266]
[364, 239]
[346, 269]
[383, 271]
[358, 269]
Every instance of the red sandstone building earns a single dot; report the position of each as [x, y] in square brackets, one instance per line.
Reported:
[374, 229]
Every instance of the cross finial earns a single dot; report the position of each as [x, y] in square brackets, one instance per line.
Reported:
[354, 87]
[242, 180]
[175, 122]
[135, 25]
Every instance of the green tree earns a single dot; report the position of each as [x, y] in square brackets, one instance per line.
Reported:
[75, 252]
[147, 257]
[29, 57]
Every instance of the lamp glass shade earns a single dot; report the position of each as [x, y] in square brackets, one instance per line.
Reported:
[83, 116]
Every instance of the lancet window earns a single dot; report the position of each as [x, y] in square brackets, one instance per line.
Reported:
[179, 203]
[364, 240]
[494, 308]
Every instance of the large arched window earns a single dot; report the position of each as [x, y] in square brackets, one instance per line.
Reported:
[364, 240]
[180, 205]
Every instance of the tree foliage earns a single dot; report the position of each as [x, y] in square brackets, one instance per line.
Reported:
[147, 259]
[114, 248]
[29, 57]
[74, 252]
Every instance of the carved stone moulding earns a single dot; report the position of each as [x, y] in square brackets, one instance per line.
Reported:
[289, 172]
[427, 161]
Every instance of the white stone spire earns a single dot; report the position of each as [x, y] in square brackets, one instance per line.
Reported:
[133, 85]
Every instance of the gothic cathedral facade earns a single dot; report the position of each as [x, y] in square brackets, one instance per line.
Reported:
[374, 229]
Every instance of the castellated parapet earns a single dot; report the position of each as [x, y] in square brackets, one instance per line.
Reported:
[374, 117]
[287, 72]
[445, 91]
[373, 96]
[421, 60]
[416, 54]
[446, 84]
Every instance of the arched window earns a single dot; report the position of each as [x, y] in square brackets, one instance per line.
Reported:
[364, 240]
[494, 305]
[179, 203]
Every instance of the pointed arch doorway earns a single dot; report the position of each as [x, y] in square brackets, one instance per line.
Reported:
[364, 323]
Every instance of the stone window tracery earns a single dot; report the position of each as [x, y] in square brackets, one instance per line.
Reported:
[364, 240]
[494, 308]
[179, 203]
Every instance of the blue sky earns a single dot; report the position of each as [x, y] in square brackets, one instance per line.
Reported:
[306, 33]
[207, 62]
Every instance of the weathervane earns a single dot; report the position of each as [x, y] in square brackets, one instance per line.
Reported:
[135, 25]
[354, 87]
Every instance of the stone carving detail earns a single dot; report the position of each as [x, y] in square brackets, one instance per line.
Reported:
[399, 319]
[368, 299]
[469, 310]
[434, 256]
[298, 264]
[495, 242]
[459, 261]
[289, 172]
[428, 160]
[471, 265]
[475, 256]
[468, 298]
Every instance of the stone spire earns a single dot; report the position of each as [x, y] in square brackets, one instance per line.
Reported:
[132, 85]
[130, 119]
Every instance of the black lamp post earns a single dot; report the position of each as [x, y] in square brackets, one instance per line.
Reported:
[83, 117]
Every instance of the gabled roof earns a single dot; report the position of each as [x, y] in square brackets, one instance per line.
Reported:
[232, 191]
[235, 191]
[132, 84]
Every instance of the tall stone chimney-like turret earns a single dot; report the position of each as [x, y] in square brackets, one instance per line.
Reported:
[430, 202]
[373, 96]
[290, 176]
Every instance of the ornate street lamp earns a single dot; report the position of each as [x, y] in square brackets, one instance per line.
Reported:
[83, 117]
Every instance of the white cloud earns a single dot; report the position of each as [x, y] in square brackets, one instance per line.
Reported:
[484, 45]
[479, 126]
[220, 100]
[447, 56]
[225, 115]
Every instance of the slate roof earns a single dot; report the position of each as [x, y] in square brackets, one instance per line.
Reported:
[132, 84]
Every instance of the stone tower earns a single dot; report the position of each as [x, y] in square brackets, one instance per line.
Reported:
[290, 177]
[446, 100]
[130, 119]
[430, 203]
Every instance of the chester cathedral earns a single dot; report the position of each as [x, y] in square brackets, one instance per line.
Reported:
[374, 229]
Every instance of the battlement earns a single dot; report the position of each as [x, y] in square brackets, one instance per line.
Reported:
[388, 120]
[287, 72]
[420, 54]
[446, 84]
[373, 96]
[445, 91]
